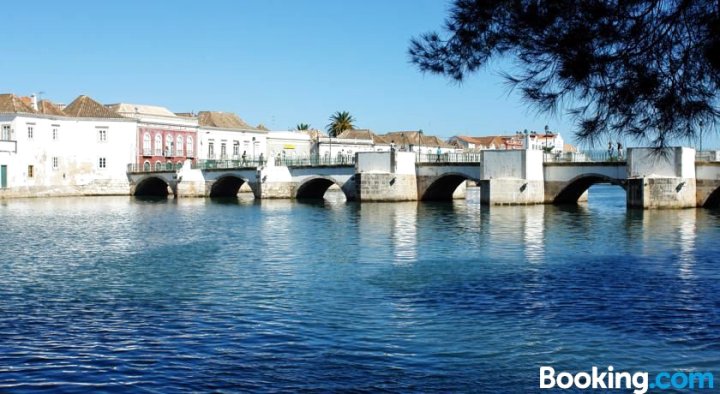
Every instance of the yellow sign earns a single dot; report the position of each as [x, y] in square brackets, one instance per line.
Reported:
[288, 146]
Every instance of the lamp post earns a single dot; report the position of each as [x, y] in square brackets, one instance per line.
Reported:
[330, 139]
[253, 144]
[701, 133]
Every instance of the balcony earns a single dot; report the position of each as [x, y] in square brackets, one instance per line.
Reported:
[147, 152]
[8, 146]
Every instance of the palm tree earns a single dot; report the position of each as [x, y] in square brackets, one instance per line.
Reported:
[302, 126]
[339, 122]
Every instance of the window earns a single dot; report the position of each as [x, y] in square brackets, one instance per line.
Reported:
[30, 132]
[223, 150]
[236, 148]
[5, 136]
[146, 166]
[179, 146]
[169, 166]
[102, 162]
[189, 147]
[158, 166]
[158, 145]
[168, 145]
[55, 163]
[31, 171]
[211, 150]
[102, 135]
[55, 133]
[147, 145]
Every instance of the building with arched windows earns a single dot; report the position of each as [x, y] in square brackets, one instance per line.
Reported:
[164, 139]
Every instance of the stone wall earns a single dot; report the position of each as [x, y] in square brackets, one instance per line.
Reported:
[651, 193]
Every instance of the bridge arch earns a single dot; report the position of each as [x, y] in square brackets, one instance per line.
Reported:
[152, 186]
[314, 188]
[576, 187]
[713, 200]
[443, 187]
[227, 186]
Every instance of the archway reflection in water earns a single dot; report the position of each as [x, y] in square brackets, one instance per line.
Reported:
[126, 294]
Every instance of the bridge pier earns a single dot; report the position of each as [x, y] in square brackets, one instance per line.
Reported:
[661, 178]
[275, 182]
[382, 176]
[512, 177]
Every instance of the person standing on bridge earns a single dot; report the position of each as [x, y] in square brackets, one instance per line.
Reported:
[620, 152]
[438, 153]
[610, 149]
[244, 158]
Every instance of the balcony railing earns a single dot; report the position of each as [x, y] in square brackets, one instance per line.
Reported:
[8, 146]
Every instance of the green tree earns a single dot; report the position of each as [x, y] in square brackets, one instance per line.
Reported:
[646, 69]
[339, 122]
[302, 126]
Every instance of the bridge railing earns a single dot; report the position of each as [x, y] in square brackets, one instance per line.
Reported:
[211, 164]
[146, 167]
[584, 156]
[707, 155]
[465, 157]
[315, 161]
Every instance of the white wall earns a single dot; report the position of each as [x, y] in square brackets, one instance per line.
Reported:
[293, 144]
[77, 149]
[244, 139]
[674, 162]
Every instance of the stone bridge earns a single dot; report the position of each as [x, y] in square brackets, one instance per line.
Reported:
[567, 183]
[669, 180]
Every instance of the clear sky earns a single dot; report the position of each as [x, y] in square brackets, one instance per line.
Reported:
[274, 62]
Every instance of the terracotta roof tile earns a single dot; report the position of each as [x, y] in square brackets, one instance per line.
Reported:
[10, 103]
[85, 107]
[48, 108]
[223, 120]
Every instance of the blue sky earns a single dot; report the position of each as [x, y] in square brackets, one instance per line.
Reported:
[273, 62]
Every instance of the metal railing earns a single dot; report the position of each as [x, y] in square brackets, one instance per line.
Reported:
[467, 157]
[212, 164]
[707, 155]
[147, 167]
[596, 156]
[8, 146]
[315, 161]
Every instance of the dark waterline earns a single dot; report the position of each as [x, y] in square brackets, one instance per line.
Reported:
[127, 295]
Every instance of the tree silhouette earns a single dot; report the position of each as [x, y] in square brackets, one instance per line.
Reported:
[302, 126]
[339, 122]
[648, 70]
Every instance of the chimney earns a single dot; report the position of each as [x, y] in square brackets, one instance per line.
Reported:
[33, 98]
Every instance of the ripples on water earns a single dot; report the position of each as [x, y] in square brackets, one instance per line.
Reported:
[117, 294]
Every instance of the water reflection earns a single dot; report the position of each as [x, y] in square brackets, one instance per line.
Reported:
[124, 294]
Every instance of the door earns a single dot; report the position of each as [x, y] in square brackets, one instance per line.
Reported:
[3, 176]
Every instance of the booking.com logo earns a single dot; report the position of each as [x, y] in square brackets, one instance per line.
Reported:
[611, 379]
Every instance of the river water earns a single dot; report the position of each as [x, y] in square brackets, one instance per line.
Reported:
[122, 295]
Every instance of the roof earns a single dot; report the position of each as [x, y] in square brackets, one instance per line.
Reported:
[141, 109]
[48, 108]
[362, 134]
[569, 148]
[415, 137]
[223, 120]
[12, 103]
[487, 141]
[85, 107]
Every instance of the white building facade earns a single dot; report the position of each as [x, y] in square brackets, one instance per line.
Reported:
[50, 155]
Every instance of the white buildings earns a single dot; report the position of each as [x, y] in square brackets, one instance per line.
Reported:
[163, 139]
[286, 145]
[224, 136]
[83, 149]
